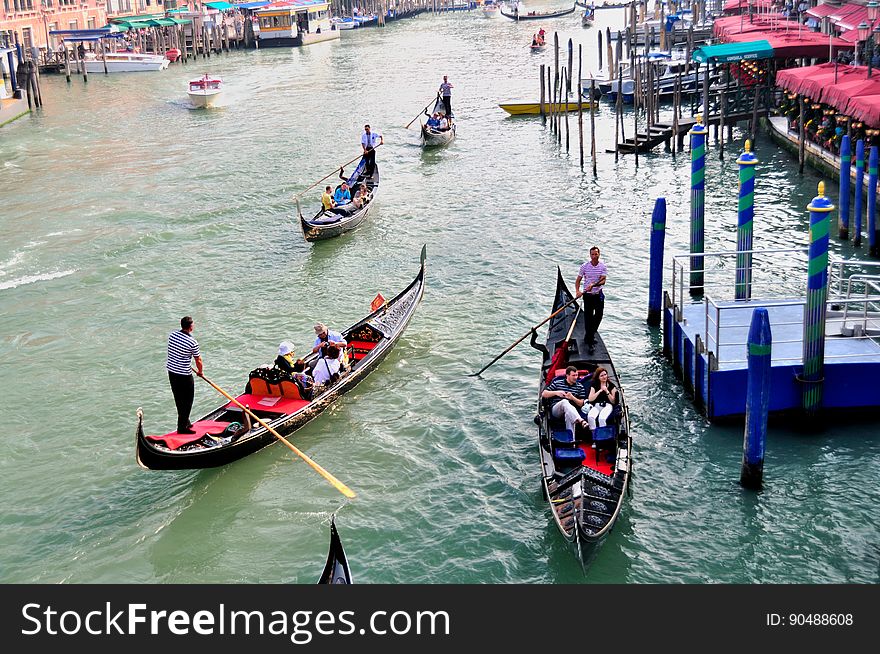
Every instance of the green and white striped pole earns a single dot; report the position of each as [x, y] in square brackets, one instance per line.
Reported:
[814, 311]
[698, 204]
[745, 218]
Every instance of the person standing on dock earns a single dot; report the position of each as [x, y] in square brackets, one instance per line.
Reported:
[446, 94]
[370, 141]
[182, 348]
[593, 274]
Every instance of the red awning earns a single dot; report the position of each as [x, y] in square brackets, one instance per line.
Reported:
[820, 11]
[839, 95]
[851, 20]
[865, 108]
[743, 5]
[791, 78]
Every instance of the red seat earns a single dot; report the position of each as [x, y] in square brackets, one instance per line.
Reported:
[360, 349]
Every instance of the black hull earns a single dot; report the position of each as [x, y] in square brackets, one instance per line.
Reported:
[313, 231]
[336, 570]
[596, 498]
[400, 309]
[556, 14]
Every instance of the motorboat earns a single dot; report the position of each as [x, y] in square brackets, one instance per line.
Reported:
[205, 90]
[124, 62]
[491, 9]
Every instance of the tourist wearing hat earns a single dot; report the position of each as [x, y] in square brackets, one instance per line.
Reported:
[286, 357]
[330, 347]
[325, 338]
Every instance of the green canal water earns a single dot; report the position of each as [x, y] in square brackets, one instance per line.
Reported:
[123, 209]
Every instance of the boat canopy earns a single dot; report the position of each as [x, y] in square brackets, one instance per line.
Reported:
[222, 6]
[253, 5]
[727, 52]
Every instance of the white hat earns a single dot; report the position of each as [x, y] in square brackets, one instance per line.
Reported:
[285, 348]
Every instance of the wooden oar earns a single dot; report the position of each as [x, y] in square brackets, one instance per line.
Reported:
[335, 170]
[523, 337]
[421, 112]
[342, 488]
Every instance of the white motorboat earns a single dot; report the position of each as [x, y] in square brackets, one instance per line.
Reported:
[124, 62]
[204, 91]
[491, 9]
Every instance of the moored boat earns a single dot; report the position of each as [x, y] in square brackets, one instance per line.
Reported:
[328, 223]
[336, 570]
[585, 475]
[204, 91]
[516, 14]
[277, 399]
[124, 62]
[534, 108]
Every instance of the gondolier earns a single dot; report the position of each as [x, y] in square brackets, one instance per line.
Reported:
[182, 349]
[593, 274]
[446, 94]
[370, 141]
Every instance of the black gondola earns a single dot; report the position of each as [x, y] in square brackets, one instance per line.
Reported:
[280, 402]
[518, 15]
[328, 223]
[584, 480]
[336, 570]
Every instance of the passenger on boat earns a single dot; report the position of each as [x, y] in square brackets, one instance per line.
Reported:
[285, 359]
[329, 364]
[327, 199]
[305, 380]
[535, 43]
[593, 273]
[342, 195]
[602, 397]
[567, 397]
[444, 123]
[362, 196]
[434, 121]
[325, 338]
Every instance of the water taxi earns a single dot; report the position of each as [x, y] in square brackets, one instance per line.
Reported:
[301, 22]
[204, 91]
[124, 62]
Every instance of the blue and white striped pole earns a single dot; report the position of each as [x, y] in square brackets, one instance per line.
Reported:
[814, 311]
[859, 189]
[845, 169]
[872, 202]
[745, 219]
[757, 400]
[698, 207]
[655, 276]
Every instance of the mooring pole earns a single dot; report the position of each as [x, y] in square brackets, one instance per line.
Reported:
[845, 167]
[859, 189]
[698, 194]
[655, 273]
[744, 223]
[872, 202]
[757, 400]
[814, 311]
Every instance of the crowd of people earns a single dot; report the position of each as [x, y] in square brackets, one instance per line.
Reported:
[823, 125]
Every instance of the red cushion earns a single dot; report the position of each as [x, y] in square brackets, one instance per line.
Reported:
[273, 403]
[173, 440]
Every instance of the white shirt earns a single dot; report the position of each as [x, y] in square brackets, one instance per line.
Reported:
[370, 140]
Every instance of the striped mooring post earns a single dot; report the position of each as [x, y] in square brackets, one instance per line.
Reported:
[814, 311]
[698, 207]
[872, 202]
[845, 168]
[655, 276]
[757, 399]
[745, 218]
[859, 189]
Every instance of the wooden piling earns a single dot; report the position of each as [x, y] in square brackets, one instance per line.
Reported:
[567, 73]
[580, 95]
[570, 62]
[801, 134]
[543, 113]
[593, 125]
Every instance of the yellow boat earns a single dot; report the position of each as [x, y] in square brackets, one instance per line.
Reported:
[534, 108]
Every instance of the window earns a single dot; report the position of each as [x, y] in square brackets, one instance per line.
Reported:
[91, 24]
[26, 38]
[72, 25]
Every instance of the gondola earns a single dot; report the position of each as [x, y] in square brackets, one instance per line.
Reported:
[328, 223]
[535, 15]
[336, 570]
[279, 401]
[433, 137]
[585, 476]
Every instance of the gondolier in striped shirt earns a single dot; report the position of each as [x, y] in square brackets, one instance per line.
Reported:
[182, 349]
[446, 93]
[593, 274]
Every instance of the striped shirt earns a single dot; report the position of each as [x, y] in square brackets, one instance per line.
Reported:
[591, 275]
[559, 384]
[182, 347]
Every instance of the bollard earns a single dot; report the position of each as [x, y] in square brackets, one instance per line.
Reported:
[845, 167]
[860, 183]
[655, 274]
[698, 194]
[872, 202]
[757, 400]
[745, 219]
[814, 311]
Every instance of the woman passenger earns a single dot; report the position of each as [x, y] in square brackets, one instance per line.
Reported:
[602, 397]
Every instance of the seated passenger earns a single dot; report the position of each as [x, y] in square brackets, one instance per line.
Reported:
[328, 365]
[444, 124]
[327, 199]
[304, 379]
[434, 121]
[567, 397]
[362, 196]
[535, 41]
[342, 195]
[284, 360]
[602, 397]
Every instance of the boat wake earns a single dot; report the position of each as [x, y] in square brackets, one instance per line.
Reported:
[30, 279]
